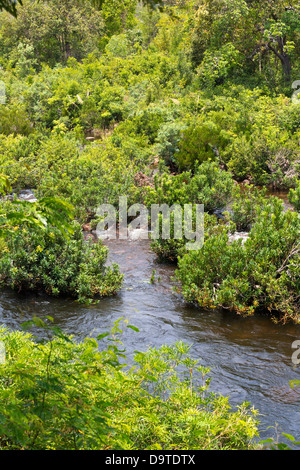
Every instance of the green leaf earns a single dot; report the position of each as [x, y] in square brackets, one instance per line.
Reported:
[102, 335]
[134, 328]
[294, 383]
[288, 436]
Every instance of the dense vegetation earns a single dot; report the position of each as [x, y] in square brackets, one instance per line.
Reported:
[65, 395]
[192, 102]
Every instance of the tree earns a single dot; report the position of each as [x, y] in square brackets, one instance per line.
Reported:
[260, 30]
[56, 29]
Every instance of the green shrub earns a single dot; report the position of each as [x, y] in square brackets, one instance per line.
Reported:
[246, 201]
[86, 178]
[290, 118]
[13, 148]
[261, 275]
[208, 185]
[199, 142]
[145, 122]
[172, 248]
[294, 197]
[48, 262]
[65, 395]
[41, 158]
[168, 139]
[14, 119]
[218, 64]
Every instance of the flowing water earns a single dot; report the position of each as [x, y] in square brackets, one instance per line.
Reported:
[250, 358]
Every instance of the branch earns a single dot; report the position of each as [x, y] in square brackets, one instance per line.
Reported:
[294, 251]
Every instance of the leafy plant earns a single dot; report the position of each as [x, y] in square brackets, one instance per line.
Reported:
[261, 274]
[294, 197]
[67, 395]
[207, 185]
[245, 204]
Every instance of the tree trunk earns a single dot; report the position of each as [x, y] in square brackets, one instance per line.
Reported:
[67, 50]
[283, 57]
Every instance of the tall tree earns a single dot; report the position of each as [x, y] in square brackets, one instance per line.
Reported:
[56, 29]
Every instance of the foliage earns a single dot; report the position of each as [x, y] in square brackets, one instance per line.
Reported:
[14, 120]
[174, 102]
[239, 215]
[262, 32]
[168, 138]
[171, 248]
[198, 144]
[294, 197]
[118, 15]
[218, 64]
[244, 206]
[4, 184]
[49, 262]
[65, 395]
[56, 30]
[261, 274]
[10, 6]
[58, 167]
[38, 216]
[42, 250]
[208, 185]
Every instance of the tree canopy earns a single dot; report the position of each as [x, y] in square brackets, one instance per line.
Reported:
[10, 6]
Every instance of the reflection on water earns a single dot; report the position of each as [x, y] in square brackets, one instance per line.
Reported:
[250, 358]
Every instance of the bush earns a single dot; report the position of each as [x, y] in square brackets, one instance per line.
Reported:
[65, 395]
[168, 138]
[14, 120]
[47, 261]
[218, 64]
[294, 197]
[208, 185]
[261, 275]
[84, 177]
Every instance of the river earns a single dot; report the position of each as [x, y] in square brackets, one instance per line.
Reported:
[249, 358]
